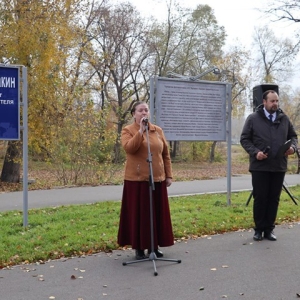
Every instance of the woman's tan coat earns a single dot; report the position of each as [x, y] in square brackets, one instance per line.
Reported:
[136, 148]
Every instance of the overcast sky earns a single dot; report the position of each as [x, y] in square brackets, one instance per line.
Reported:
[239, 17]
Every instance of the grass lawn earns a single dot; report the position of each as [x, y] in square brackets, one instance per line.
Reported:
[85, 229]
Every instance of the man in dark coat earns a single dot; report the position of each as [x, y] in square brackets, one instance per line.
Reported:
[264, 137]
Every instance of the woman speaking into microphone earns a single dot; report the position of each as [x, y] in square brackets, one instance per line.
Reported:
[135, 225]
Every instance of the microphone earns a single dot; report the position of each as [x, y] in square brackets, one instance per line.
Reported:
[266, 151]
[145, 121]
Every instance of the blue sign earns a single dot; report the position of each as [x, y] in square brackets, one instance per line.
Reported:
[9, 103]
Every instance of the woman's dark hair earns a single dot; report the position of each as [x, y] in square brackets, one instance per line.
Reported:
[135, 105]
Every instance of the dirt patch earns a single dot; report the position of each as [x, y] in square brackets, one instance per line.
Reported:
[47, 179]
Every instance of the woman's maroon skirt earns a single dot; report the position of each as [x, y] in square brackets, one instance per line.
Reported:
[134, 228]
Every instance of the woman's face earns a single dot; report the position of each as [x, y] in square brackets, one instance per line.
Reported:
[141, 111]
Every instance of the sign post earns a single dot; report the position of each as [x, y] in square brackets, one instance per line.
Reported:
[25, 146]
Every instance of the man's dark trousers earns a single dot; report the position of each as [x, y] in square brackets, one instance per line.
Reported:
[267, 187]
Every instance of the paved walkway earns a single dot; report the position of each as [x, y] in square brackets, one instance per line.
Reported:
[81, 195]
[230, 266]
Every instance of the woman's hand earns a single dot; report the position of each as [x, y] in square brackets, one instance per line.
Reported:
[142, 125]
[168, 181]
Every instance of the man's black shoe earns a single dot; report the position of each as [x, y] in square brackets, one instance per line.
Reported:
[269, 235]
[257, 236]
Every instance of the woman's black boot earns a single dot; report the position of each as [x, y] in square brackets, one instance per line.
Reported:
[140, 254]
[157, 252]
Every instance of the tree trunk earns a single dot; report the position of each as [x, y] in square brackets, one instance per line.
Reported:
[212, 152]
[117, 153]
[174, 145]
[12, 163]
[117, 147]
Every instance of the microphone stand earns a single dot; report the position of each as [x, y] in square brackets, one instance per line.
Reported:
[152, 257]
[283, 187]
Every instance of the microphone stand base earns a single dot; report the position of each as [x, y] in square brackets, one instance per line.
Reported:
[152, 257]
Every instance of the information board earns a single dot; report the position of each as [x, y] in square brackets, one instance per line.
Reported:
[191, 110]
[9, 103]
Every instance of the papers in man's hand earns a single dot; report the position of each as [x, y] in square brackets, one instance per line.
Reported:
[283, 148]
